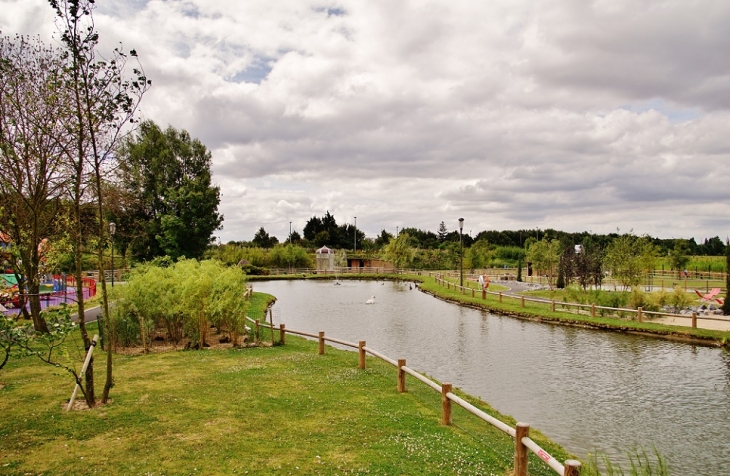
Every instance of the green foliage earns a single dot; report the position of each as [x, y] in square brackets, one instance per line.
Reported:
[640, 464]
[679, 299]
[325, 232]
[628, 256]
[263, 240]
[545, 257]
[11, 335]
[175, 207]
[399, 251]
[479, 255]
[181, 301]
[678, 256]
[284, 256]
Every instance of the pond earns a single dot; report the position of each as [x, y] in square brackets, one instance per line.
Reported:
[588, 390]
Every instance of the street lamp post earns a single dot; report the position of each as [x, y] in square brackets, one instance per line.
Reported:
[461, 253]
[354, 250]
[112, 230]
[289, 254]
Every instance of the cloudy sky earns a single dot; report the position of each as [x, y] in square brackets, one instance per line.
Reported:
[567, 114]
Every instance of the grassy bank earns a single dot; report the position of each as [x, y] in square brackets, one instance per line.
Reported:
[542, 312]
[267, 410]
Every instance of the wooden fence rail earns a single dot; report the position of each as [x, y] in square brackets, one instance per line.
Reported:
[523, 442]
[640, 313]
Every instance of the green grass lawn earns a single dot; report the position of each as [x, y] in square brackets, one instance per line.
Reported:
[267, 410]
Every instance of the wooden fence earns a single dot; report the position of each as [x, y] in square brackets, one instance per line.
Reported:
[520, 434]
[577, 308]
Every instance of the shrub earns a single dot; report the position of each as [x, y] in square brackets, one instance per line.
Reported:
[184, 299]
[679, 299]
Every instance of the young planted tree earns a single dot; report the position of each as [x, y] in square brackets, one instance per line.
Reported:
[628, 257]
[104, 102]
[678, 258]
[545, 257]
[32, 177]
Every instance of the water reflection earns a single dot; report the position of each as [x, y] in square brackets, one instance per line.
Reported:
[585, 389]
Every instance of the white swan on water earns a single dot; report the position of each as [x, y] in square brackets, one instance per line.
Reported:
[371, 300]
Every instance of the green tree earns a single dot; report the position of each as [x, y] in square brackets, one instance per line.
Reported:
[545, 256]
[32, 134]
[176, 207]
[628, 257]
[104, 100]
[263, 240]
[383, 239]
[399, 251]
[479, 255]
[678, 258]
[442, 232]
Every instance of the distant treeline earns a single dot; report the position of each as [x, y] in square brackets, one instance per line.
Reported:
[325, 231]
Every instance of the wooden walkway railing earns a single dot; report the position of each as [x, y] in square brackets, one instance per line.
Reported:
[589, 309]
[520, 434]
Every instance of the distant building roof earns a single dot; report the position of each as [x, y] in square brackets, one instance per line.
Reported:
[324, 251]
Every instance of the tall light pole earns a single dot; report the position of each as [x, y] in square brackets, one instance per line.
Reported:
[355, 248]
[112, 230]
[461, 253]
[289, 254]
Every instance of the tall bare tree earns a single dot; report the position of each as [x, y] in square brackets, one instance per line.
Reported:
[105, 100]
[32, 175]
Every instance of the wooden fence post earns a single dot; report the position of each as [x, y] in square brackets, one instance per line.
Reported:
[361, 352]
[401, 376]
[638, 314]
[500, 296]
[321, 342]
[522, 430]
[472, 292]
[258, 331]
[552, 305]
[445, 404]
[89, 353]
[593, 310]
[572, 468]
[282, 334]
[694, 320]
[484, 294]
[523, 301]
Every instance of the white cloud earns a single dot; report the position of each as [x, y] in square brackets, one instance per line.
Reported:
[564, 114]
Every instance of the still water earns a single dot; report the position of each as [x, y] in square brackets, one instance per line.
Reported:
[588, 390]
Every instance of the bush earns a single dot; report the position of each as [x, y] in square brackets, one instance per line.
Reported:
[679, 299]
[183, 299]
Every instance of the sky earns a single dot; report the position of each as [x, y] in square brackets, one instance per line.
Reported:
[575, 115]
